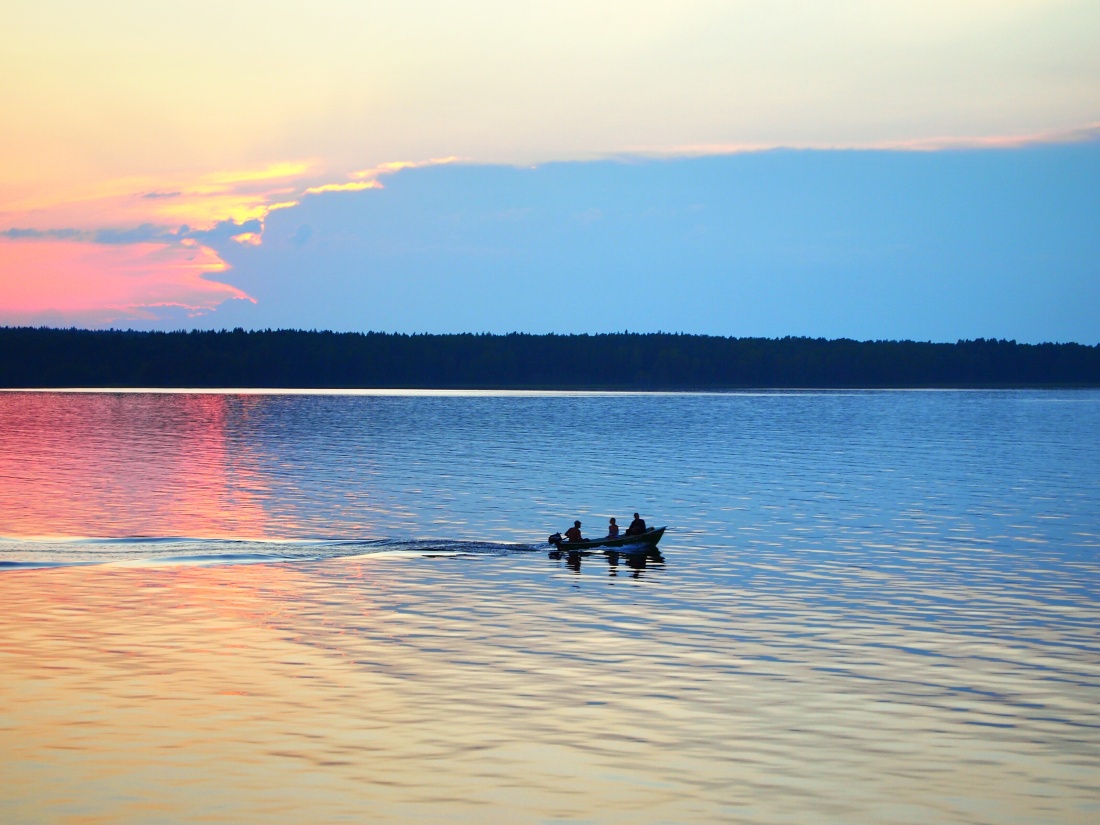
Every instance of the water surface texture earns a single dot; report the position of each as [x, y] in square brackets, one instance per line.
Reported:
[874, 607]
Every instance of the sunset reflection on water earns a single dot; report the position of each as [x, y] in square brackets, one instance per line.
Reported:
[128, 464]
[404, 689]
[868, 608]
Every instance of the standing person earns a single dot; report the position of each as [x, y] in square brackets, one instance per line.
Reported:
[612, 530]
[574, 532]
[636, 527]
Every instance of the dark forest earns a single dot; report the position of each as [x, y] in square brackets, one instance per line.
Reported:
[41, 358]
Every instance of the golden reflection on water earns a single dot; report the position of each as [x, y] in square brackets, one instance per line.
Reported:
[515, 689]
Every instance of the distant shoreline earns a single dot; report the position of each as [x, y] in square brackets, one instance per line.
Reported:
[274, 360]
[520, 392]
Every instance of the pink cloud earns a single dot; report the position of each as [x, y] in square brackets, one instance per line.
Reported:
[98, 284]
[927, 144]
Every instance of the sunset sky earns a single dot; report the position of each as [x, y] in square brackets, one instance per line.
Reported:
[860, 168]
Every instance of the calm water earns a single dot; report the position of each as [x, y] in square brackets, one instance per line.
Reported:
[873, 607]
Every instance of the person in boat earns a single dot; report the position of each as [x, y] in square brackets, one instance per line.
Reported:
[612, 529]
[574, 532]
[637, 527]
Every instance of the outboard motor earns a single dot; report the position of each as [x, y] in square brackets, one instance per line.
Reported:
[555, 540]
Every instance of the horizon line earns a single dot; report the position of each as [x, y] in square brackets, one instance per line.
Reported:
[300, 331]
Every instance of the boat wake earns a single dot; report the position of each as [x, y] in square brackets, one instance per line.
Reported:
[170, 551]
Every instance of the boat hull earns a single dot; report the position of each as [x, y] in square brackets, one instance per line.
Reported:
[642, 541]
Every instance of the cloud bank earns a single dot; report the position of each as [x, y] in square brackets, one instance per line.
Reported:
[865, 244]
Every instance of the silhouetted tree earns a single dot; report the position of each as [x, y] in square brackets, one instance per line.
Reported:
[288, 358]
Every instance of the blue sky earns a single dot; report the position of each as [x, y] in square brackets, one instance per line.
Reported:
[866, 244]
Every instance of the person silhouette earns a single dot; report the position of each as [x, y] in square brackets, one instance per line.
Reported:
[574, 532]
[612, 529]
[637, 527]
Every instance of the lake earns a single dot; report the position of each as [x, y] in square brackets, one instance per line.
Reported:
[869, 607]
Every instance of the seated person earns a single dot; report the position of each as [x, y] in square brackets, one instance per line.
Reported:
[636, 527]
[612, 530]
[574, 532]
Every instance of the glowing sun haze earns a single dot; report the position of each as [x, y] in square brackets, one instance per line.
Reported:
[144, 143]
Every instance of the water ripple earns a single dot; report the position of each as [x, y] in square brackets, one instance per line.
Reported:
[870, 607]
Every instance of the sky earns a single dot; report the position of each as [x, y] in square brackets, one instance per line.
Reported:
[843, 168]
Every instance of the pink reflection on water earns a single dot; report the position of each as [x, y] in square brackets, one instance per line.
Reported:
[127, 464]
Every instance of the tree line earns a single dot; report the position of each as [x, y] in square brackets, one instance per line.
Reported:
[44, 357]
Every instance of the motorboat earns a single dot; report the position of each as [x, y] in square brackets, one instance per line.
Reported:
[639, 542]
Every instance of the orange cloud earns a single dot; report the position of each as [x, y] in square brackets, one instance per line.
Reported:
[99, 284]
[198, 201]
[996, 141]
[397, 165]
[56, 265]
[929, 144]
[354, 186]
[277, 171]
